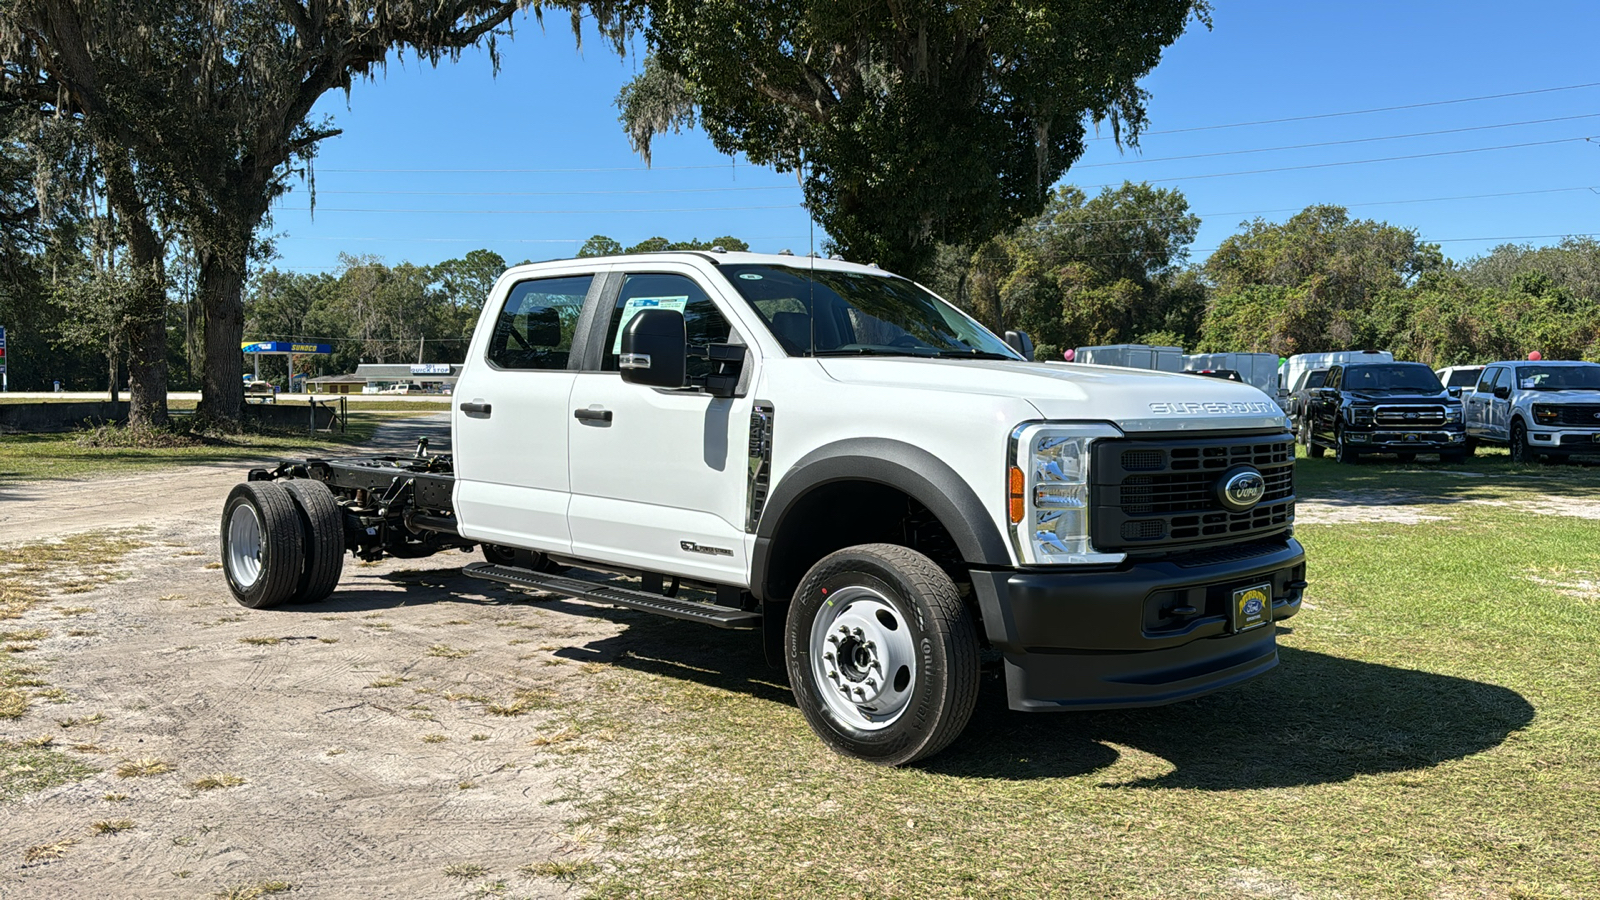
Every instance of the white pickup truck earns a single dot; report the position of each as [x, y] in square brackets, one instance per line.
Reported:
[834, 457]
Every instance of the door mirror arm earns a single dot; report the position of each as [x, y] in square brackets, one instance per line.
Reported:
[729, 361]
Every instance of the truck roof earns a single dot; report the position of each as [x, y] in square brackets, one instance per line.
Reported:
[722, 258]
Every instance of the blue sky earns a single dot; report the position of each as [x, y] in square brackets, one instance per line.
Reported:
[436, 162]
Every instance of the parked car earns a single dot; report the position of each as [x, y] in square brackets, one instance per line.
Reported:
[1460, 380]
[1391, 407]
[839, 461]
[1299, 392]
[1539, 410]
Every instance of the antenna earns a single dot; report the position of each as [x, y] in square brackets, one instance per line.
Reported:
[811, 284]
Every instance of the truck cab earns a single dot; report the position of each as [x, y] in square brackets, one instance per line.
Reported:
[1540, 411]
[888, 492]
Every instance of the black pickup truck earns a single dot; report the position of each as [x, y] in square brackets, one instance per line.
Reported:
[1389, 407]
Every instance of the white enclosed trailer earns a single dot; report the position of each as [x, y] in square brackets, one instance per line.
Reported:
[1132, 356]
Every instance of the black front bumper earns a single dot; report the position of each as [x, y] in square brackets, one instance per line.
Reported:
[1140, 634]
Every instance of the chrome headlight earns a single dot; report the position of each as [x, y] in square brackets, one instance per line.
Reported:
[1048, 502]
[1452, 415]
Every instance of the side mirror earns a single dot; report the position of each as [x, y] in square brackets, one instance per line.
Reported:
[655, 349]
[1020, 342]
[1503, 391]
[1455, 391]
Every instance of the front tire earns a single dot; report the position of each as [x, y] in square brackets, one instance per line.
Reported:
[262, 544]
[1520, 451]
[882, 654]
[1342, 451]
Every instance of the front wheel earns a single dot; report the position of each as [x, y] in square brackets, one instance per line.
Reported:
[1520, 451]
[882, 654]
[1342, 451]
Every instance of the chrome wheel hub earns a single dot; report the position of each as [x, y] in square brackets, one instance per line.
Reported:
[244, 546]
[863, 658]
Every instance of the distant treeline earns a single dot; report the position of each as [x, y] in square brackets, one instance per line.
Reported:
[1113, 268]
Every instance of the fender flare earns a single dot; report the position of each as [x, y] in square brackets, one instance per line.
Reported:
[905, 467]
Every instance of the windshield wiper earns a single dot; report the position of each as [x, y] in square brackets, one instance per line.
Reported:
[973, 354]
[866, 351]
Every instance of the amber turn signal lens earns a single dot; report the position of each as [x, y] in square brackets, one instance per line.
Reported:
[1016, 495]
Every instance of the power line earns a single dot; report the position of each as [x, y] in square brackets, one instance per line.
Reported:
[1355, 162]
[573, 171]
[541, 212]
[776, 187]
[1362, 112]
[1389, 137]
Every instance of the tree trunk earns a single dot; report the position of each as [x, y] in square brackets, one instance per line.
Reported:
[222, 299]
[147, 362]
[146, 332]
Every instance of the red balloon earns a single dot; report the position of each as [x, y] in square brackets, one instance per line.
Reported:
[1068, 354]
[1535, 356]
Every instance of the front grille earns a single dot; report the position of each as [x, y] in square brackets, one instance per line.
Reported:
[1153, 493]
[1410, 416]
[1579, 414]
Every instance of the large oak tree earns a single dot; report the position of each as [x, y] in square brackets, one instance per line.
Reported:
[213, 98]
[913, 122]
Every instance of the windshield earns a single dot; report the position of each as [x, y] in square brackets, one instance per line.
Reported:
[1395, 377]
[831, 313]
[1464, 378]
[1558, 378]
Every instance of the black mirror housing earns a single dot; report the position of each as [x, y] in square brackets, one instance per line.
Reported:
[655, 349]
[1455, 391]
[1020, 342]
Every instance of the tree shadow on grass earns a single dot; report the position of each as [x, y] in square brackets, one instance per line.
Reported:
[1315, 719]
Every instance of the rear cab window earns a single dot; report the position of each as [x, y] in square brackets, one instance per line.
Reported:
[534, 328]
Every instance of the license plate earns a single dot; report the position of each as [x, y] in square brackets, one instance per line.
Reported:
[1252, 607]
[1411, 437]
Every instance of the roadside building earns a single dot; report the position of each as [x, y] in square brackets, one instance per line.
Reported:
[336, 384]
[429, 378]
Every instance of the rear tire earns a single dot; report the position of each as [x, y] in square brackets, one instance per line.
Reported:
[882, 654]
[262, 544]
[322, 527]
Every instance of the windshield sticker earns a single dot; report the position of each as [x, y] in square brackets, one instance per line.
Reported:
[1529, 383]
[637, 304]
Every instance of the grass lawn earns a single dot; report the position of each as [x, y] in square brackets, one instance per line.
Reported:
[1430, 732]
[35, 456]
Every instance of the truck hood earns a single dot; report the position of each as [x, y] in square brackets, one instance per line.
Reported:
[1403, 397]
[1570, 396]
[1132, 399]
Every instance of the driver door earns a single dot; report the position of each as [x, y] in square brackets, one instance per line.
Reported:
[659, 476]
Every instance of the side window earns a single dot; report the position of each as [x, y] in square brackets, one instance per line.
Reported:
[1486, 381]
[1335, 375]
[702, 320]
[534, 328]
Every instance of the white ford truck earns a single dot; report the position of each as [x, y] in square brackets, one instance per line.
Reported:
[835, 458]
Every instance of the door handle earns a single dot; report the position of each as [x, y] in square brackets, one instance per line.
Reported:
[478, 409]
[592, 415]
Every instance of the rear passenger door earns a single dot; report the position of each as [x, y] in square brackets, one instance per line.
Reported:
[512, 411]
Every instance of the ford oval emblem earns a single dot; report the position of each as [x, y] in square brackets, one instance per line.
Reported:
[1242, 488]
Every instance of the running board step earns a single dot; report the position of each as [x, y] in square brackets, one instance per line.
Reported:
[705, 613]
